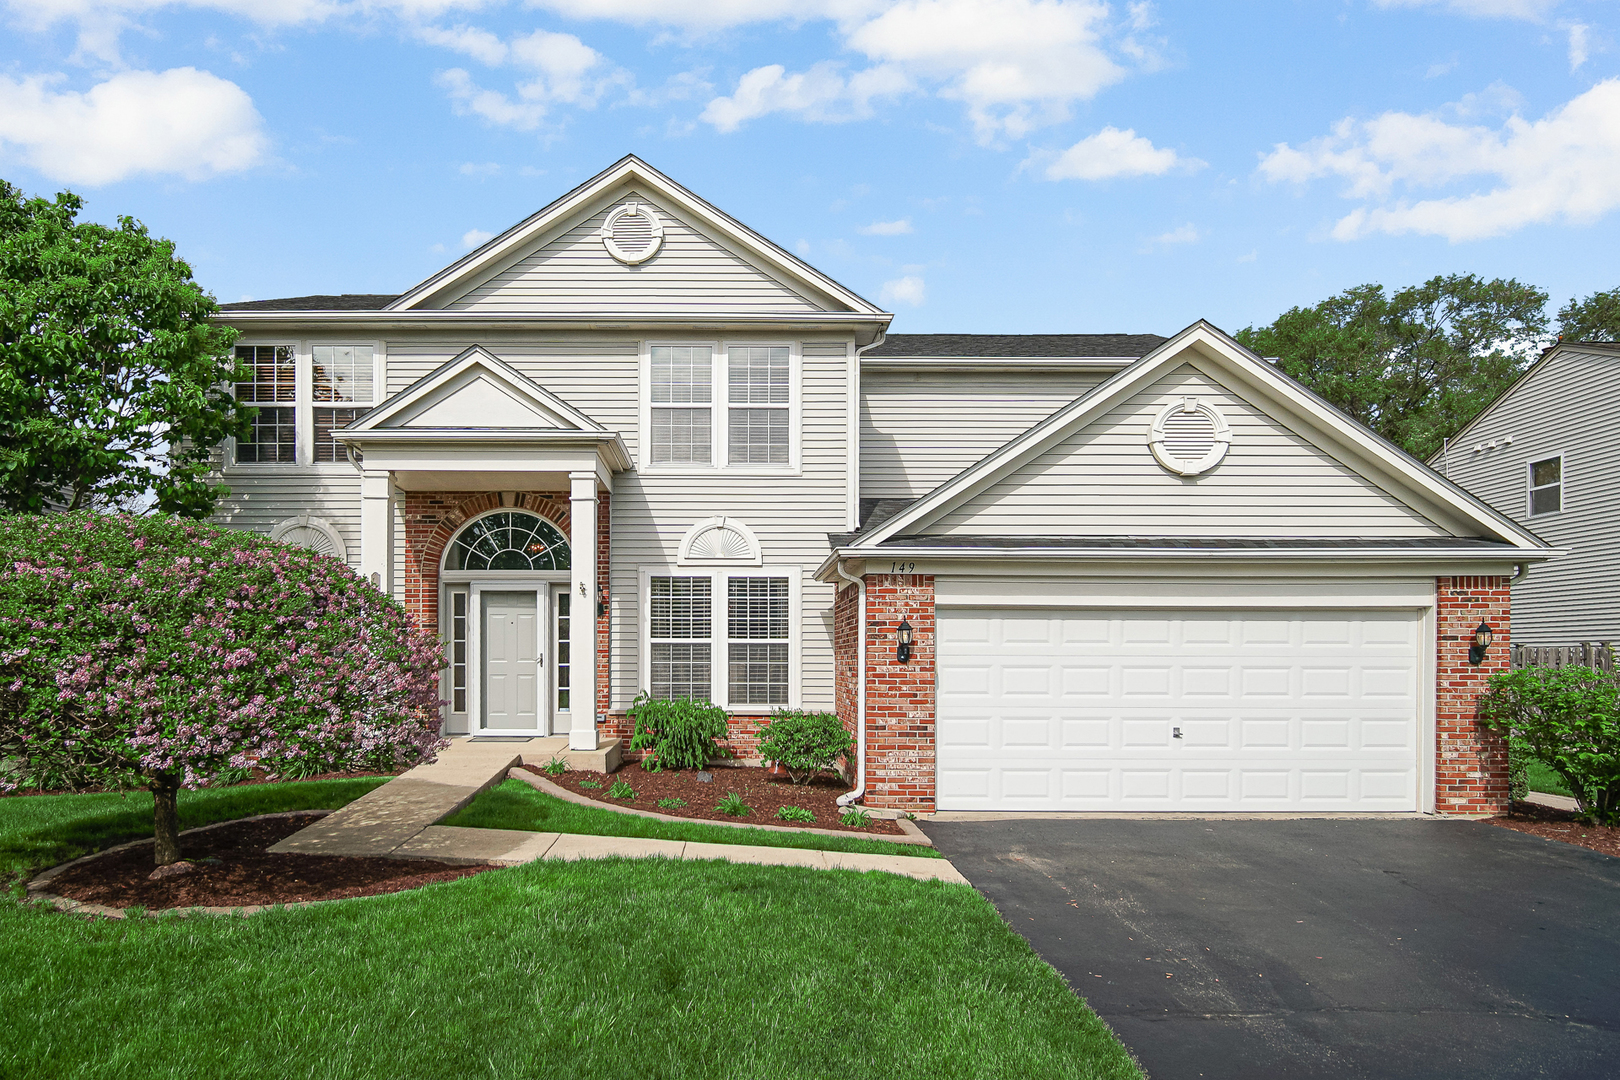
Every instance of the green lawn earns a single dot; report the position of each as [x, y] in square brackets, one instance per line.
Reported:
[1543, 779]
[640, 969]
[39, 831]
[515, 805]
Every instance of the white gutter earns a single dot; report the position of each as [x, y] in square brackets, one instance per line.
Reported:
[860, 690]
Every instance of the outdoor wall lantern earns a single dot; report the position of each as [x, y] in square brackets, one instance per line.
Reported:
[902, 637]
[1482, 641]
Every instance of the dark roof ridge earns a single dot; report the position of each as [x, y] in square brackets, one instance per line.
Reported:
[1129, 346]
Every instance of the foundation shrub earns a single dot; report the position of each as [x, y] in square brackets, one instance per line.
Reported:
[804, 743]
[1569, 719]
[675, 735]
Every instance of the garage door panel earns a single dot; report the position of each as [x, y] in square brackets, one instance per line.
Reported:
[1274, 711]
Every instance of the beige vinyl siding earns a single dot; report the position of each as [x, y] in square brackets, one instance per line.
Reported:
[1561, 408]
[692, 272]
[1104, 481]
[919, 429]
[263, 496]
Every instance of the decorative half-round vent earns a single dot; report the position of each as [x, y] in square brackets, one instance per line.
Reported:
[1189, 437]
[632, 233]
[719, 540]
[311, 532]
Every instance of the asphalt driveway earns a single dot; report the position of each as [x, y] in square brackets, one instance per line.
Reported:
[1335, 948]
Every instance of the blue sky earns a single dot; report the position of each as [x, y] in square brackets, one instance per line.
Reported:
[974, 165]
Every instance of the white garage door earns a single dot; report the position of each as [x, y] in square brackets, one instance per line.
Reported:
[1178, 710]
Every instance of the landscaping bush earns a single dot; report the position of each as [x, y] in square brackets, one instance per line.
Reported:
[681, 734]
[161, 653]
[1569, 719]
[804, 743]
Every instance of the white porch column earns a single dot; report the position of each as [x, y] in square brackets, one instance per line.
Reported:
[377, 529]
[582, 669]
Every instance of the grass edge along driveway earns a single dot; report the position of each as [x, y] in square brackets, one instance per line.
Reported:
[604, 968]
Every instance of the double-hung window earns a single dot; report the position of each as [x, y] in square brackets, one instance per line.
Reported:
[1546, 486]
[723, 637]
[682, 405]
[341, 376]
[757, 405]
[271, 387]
[304, 397]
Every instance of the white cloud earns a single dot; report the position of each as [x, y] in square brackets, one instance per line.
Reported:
[1185, 234]
[564, 70]
[468, 98]
[479, 44]
[1579, 47]
[1564, 167]
[181, 122]
[1481, 9]
[823, 93]
[905, 290]
[886, 228]
[1113, 153]
[475, 237]
[480, 171]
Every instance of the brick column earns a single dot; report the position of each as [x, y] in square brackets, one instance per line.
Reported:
[900, 697]
[1471, 765]
[846, 641]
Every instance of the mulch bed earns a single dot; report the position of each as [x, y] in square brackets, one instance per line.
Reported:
[244, 873]
[763, 793]
[1551, 824]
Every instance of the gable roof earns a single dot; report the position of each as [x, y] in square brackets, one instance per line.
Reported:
[996, 346]
[1378, 461]
[340, 302]
[534, 230]
[1547, 357]
[476, 369]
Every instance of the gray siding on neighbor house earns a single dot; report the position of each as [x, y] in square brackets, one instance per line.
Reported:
[1561, 407]
[920, 428]
[1103, 480]
[692, 273]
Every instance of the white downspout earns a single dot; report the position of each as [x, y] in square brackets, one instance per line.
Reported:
[860, 688]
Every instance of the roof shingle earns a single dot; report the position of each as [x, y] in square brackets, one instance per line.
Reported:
[1128, 346]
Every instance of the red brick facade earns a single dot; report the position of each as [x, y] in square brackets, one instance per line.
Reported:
[1471, 766]
[432, 518]
[900, 697]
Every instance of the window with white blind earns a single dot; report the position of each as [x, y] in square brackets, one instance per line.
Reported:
[682, 405]
[757, 405]
[725, 637]
[721, 406]
[304, 396]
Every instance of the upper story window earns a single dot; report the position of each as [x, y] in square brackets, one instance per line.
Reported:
[738, 411]
[304, 396]
[1547, 486]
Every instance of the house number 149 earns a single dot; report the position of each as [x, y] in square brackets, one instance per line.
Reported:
[902, 568]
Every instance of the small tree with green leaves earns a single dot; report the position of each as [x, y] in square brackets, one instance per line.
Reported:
[113, 378]
[1568, 718]
[680, 734]
[1597, 318]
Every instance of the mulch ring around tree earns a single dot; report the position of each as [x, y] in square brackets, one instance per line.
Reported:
[231, 868]
[763, 793]
[1551, 824]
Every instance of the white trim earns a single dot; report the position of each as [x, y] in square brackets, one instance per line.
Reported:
[632, 208]
[1203, 345]
[448, 575]
[995, 592]
[475, 356]
[1171, 463]
[719, 655]
[684, 552]
[340, 550]
[1530, 489]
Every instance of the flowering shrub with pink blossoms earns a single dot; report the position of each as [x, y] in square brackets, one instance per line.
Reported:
[160, 652]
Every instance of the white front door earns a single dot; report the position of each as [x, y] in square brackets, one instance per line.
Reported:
[513, 669]
[1178, 710]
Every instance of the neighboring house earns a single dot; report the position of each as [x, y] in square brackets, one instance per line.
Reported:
[1544, 455]
[1136, 573]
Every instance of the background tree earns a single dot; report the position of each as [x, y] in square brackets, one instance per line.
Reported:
[1597, 318]
[1415, 365]
[112, 377]
[163, 653]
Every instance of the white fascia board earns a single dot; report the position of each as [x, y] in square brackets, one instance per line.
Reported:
[1211, 344]
[608, 444]
[630, 169]
[833, 322]
[475, 356]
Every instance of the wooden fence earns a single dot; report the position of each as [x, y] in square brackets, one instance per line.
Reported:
[1586, 654]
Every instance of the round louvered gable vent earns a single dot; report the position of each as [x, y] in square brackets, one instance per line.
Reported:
[632, 233]
[1189, 437]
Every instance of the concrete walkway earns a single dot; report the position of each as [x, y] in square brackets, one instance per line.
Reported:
[397, 821]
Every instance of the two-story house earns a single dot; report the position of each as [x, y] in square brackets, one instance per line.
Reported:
[1540, 453]
[630, 446]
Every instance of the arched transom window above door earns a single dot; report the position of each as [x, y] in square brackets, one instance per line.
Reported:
[508, 540]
